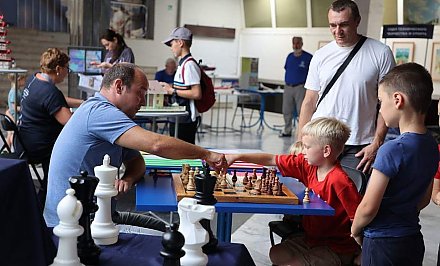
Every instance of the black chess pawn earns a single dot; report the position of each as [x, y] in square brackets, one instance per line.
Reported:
[172, 242]
[84, 187]
[234, 178]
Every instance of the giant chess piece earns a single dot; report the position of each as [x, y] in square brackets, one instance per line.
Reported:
[205, 184]
[84, 187]
[104, 231]
[69, 210]
[172, 242]
[196, 236]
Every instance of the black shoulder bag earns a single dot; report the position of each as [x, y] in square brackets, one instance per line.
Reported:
[342, 68]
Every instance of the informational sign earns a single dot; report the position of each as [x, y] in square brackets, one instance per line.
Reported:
[421, 31]
[249, 73]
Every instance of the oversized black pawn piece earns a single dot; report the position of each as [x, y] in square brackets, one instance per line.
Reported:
[205, 184]
[172, 242]
[84, 187]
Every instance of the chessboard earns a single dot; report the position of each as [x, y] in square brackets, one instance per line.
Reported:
[228, 191]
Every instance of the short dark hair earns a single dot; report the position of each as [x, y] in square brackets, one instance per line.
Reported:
[340, 5]
[298, 38]
[414, 81]
[124, 71]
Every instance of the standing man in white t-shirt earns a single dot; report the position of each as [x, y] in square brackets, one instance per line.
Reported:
[353, 97]
[186, 87]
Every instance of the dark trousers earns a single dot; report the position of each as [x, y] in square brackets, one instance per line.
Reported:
[187, 131]
[347, 157]
[402, 251]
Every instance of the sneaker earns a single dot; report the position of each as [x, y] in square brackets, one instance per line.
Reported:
[283, 135]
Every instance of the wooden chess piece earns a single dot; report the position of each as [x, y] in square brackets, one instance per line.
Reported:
[234, 178]
[172, 242]
[191, 185]
[254, 175]
[245, 179]
[280, 189]
[84, 187]
[306, 198]
[223, 183]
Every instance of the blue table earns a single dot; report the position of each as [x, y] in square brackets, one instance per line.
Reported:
[261, 120]
[159, 195]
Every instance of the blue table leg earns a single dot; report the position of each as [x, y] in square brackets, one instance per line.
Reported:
[224, 226]
[220, 226]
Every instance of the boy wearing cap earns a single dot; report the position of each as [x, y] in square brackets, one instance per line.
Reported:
[186, 87]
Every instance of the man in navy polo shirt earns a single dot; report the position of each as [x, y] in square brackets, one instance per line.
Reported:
[296, 66]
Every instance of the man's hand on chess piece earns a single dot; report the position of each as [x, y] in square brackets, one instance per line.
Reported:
[217, 161]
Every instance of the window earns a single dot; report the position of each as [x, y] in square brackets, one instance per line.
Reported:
[257, 13]
[320, 12]
[291, 13]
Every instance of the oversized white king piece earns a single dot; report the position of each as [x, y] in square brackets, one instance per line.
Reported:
[69, 210]
[104, 231]
[196, 236]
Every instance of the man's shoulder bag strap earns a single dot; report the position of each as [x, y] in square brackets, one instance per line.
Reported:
[342, 68]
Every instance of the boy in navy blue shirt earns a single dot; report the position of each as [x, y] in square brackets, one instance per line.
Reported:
[386, 223]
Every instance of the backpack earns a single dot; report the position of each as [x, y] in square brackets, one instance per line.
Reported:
[208, 94]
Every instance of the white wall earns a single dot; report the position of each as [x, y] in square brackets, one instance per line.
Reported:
[271, 46]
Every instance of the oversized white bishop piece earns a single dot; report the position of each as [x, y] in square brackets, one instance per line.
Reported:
[196, 236]
[104, 231]
[69, 211]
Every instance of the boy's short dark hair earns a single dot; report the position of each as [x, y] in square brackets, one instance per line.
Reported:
[414, 81]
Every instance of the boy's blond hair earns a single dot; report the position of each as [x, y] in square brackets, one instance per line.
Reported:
[11, 77]
[296, 148]
[328, 131]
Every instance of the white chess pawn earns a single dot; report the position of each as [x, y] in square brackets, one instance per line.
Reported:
[104, 231]
[196, 236]
[69, 211]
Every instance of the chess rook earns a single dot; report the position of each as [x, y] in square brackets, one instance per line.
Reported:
[104, 231]
[69, 211]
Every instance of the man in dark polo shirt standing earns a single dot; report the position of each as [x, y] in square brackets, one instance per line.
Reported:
[296, 66]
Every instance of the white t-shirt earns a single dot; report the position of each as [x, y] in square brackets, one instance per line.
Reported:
[186, 78]
[353, 97]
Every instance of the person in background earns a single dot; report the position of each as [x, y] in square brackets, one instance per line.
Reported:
[15, 90]
[167, 74]
[327, 239]
[353, 97]
[117, 50]
[44, 108]
[186, 85]
[103, 125]
[400, 186]
[296, 66]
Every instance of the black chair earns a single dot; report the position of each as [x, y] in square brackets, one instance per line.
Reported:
[9, 125]
[292, 225]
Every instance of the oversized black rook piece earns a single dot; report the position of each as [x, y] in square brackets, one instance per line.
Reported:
[84, 187]
[172, 242]
[205, 184]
